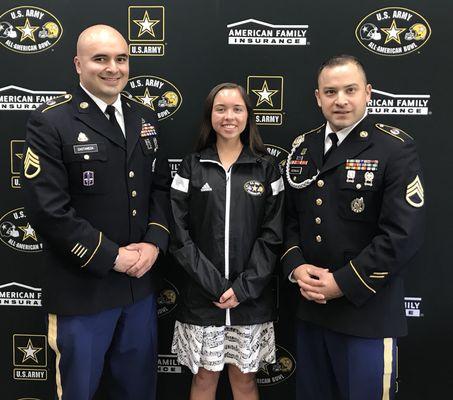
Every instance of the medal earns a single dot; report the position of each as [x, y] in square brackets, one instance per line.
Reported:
[357, 205]
[369, 176]
[350, 176]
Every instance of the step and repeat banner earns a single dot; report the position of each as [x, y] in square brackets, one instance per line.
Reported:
[179, 51]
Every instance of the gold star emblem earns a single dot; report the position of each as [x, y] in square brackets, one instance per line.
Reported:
[30, 352]
[265, 94]
[393, 33]
[147, 99]
[146, 25]
[28, 232]
[27, 31]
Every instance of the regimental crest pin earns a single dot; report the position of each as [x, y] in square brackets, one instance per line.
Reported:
[82, 137]
[358, 205]
[415, 194]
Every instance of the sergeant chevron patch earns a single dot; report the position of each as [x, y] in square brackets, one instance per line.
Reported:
[32, 168]
[415, 194]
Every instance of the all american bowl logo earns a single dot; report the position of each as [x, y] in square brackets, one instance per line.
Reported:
[272, 374]
[29, 29]
[393, 31]
[156, 93]
[168, 299]
[17, 233]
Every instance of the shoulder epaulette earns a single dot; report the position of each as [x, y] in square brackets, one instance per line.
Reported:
[394, 132]
[299, 139]
[57, 101]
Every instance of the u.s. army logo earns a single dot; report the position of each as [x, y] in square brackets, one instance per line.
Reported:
[146, 30]
[415, 194]
[29, 357]
[266, 93]
[32, 168]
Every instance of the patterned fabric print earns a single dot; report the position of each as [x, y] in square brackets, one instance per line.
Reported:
[211, 347]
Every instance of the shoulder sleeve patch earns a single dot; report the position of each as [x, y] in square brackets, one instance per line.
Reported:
[395, 132]
[57, 101]
[415, 194]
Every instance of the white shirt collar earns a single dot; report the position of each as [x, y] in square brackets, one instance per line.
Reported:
[103, 105]
[342, 133]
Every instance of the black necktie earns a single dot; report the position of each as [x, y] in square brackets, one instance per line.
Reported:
[334, 138]
[117, 131]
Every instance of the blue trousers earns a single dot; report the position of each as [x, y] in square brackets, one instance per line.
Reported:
[123, 339]
[335, 366]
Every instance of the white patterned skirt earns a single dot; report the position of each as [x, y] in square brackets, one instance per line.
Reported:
[211, 347]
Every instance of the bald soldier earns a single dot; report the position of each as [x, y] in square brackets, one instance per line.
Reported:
[96, 190]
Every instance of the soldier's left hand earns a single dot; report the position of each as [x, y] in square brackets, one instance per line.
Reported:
[148, 255]
[328, 287]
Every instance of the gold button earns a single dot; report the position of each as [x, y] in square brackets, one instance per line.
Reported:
[86, 157]
[363, 134]
[319, 238]
[134, 213]
[318, 220]
[320, 183]
[134, 193]
[131, 174]
[318, 202]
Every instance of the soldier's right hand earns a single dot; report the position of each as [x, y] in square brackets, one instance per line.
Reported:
[126, 259]
[309, 283]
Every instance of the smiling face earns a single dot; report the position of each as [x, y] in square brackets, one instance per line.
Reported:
[102, 62]
[229, 115]
[342, 94]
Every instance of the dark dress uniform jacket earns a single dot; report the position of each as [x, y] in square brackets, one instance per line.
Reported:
[228, 233]
[87, 192]
[365, 225]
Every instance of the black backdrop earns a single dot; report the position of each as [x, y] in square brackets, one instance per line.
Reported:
[194, 45]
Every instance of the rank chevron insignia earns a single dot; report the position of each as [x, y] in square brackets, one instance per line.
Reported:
[415, 194]
[31, 164]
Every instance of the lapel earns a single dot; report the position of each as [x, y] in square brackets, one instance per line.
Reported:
[315, 147]
[90, 114]
[355, 143]
[133, 124]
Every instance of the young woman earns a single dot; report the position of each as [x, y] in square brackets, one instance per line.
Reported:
[227, 201]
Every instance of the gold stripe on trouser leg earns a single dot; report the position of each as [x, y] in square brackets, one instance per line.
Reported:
[388, 362]
[52, 338]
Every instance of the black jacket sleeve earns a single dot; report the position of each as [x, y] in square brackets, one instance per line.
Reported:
[185, 251]
[251, 282]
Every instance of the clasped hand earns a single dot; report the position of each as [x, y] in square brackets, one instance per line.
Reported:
[316, 284]
[136, 259]
[227, 300]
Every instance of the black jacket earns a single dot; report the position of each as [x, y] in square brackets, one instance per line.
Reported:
[228, 232]
[363, 218]
[87, 193]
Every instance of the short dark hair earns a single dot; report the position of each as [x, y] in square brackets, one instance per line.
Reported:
[341, 59]
[250, 137]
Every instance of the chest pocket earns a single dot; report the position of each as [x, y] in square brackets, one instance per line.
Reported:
[360, 195]
[87, 168]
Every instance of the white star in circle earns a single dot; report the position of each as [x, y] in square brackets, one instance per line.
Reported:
[265, 94]
[393, 33]
[28, 232]
[147, 99]
[27, 31]
[146, 25]
[30, 352]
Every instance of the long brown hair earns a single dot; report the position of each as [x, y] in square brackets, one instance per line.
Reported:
[250, 137]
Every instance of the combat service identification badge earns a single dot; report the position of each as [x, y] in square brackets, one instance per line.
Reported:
[415, 195]
[32, 168]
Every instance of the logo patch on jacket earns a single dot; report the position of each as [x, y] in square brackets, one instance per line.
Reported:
[254, 188]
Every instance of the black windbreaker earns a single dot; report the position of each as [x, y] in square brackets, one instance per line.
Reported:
[227, 233]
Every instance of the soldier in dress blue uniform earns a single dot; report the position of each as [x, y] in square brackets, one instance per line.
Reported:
[354, 221]
[97, 191]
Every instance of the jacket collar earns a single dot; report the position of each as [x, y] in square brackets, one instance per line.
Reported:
[245, 157]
